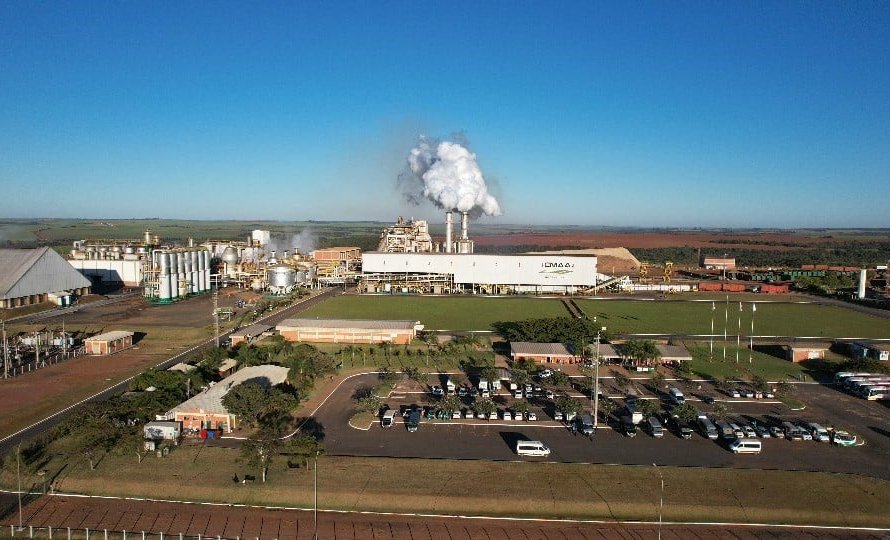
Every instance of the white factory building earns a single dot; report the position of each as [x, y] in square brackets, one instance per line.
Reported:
[442, 273]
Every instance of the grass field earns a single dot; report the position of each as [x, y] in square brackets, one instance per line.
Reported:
[491, 488]
[439, 313]
[771, 319]
[621, 316]
[767, 366]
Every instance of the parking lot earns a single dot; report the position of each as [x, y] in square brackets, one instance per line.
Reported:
[472, 438]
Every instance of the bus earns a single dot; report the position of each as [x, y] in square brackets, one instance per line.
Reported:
[841, 377]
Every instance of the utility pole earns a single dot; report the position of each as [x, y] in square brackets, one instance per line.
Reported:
[315, 512]
[596, 390]
[6, 351]
[18, 472]
[725, 324]
[661, 500]
[216, 315]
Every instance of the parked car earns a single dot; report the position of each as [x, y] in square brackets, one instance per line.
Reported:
[549, 394]
[437, 391]
[462, 391]
[531, 416]
[708, 399]
[629, 429]
[493, 415]
[737, 431]
[507, 415]
[570, 416]
[762, 431]
[776, 432]
[804, 433]
[735, 393]
[769, 394]
[456, 414]
[544, 373]
[468, 413]
[748, 393]
[749, 431]
[557, 415]
[842, 438]
[517, 394]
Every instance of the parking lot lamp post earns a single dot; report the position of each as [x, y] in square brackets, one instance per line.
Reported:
[713, 309]
[596, 389]
[661, 500]
[315, 512]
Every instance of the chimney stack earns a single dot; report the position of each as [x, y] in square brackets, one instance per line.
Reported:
[464, 225]
[449, 225]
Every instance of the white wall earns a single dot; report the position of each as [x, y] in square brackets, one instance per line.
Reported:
[544, 270]
[128, 272]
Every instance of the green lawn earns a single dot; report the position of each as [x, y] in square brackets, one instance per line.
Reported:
[771, 319]
[767, 366]
[575, 491]
[439, 313]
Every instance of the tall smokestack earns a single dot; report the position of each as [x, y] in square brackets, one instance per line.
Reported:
[449, 224]
[464, 225]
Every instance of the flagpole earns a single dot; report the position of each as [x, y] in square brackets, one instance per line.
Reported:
[725, 325]
[751, 348]
[713, 308]
[738, 338]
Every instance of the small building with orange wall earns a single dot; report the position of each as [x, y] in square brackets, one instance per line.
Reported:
[108, 343]
[355, 331]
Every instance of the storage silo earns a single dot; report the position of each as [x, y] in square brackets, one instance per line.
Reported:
[200, 255]
[193, 255]
[207, 270]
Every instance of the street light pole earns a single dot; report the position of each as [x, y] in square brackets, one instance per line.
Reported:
[596, 390]
[725, 325]
[713, 310]
[751, 347]
[18, 472]
[315, 512]
[661, 499]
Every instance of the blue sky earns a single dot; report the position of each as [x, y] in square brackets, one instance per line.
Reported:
[712, 114]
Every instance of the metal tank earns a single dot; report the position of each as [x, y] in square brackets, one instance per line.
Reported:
[282, 277]
[207, 259]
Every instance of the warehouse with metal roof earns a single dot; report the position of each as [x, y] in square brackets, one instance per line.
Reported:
[33, 276]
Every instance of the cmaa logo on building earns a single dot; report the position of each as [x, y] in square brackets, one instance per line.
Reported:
[557, 267]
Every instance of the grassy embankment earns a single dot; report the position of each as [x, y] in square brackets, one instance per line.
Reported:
[460, 487]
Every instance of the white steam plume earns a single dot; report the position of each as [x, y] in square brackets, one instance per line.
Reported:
[305, 241]
[446, 173]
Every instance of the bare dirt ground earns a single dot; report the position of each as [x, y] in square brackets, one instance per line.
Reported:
[617, 260]
[267, 524]
[162, 331]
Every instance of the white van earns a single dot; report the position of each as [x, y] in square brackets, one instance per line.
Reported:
[819, 433]
[677, 396]
[532, 448]
[389, 418]
[745, 446]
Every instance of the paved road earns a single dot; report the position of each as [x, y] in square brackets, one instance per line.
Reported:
[481, 439]
[45, 425]
[210, 521]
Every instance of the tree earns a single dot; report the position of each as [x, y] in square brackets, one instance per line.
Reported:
[450, 403]
[489, 373]
[658, 379]
[305, 447]
[386, 376]
[416, 374]
[519, 375]
[647, 407]
[607, 407]
[259, 451]
[521, 406]
[685, 412]
[567, 405]
[485, 407]
[641, 352]
[759, 383]
[251, 402]
[721, 411]
[622, 380]
[368, 403]
[560, 380]
[95, 435]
